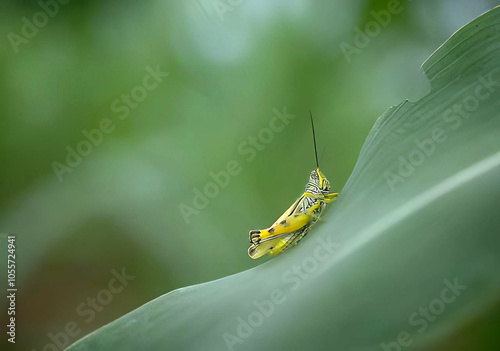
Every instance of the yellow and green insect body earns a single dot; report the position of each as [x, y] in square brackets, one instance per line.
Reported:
[296, 222]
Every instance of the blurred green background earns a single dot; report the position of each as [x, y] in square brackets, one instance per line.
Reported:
[230, 64]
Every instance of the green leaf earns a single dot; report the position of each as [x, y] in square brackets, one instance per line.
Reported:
[409, 250]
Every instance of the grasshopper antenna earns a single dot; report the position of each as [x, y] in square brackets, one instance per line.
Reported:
[314, 140]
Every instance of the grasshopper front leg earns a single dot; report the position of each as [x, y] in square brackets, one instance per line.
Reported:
[290, 224]
[330, 197]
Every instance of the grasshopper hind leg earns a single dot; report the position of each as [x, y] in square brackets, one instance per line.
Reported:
[255, 236]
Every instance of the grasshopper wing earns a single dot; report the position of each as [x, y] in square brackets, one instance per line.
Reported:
[274, 245]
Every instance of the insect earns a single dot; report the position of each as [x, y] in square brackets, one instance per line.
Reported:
[298, 220]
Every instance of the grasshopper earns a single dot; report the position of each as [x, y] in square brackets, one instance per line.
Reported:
[298, 220]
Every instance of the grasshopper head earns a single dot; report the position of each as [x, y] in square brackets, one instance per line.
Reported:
[318, 182]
